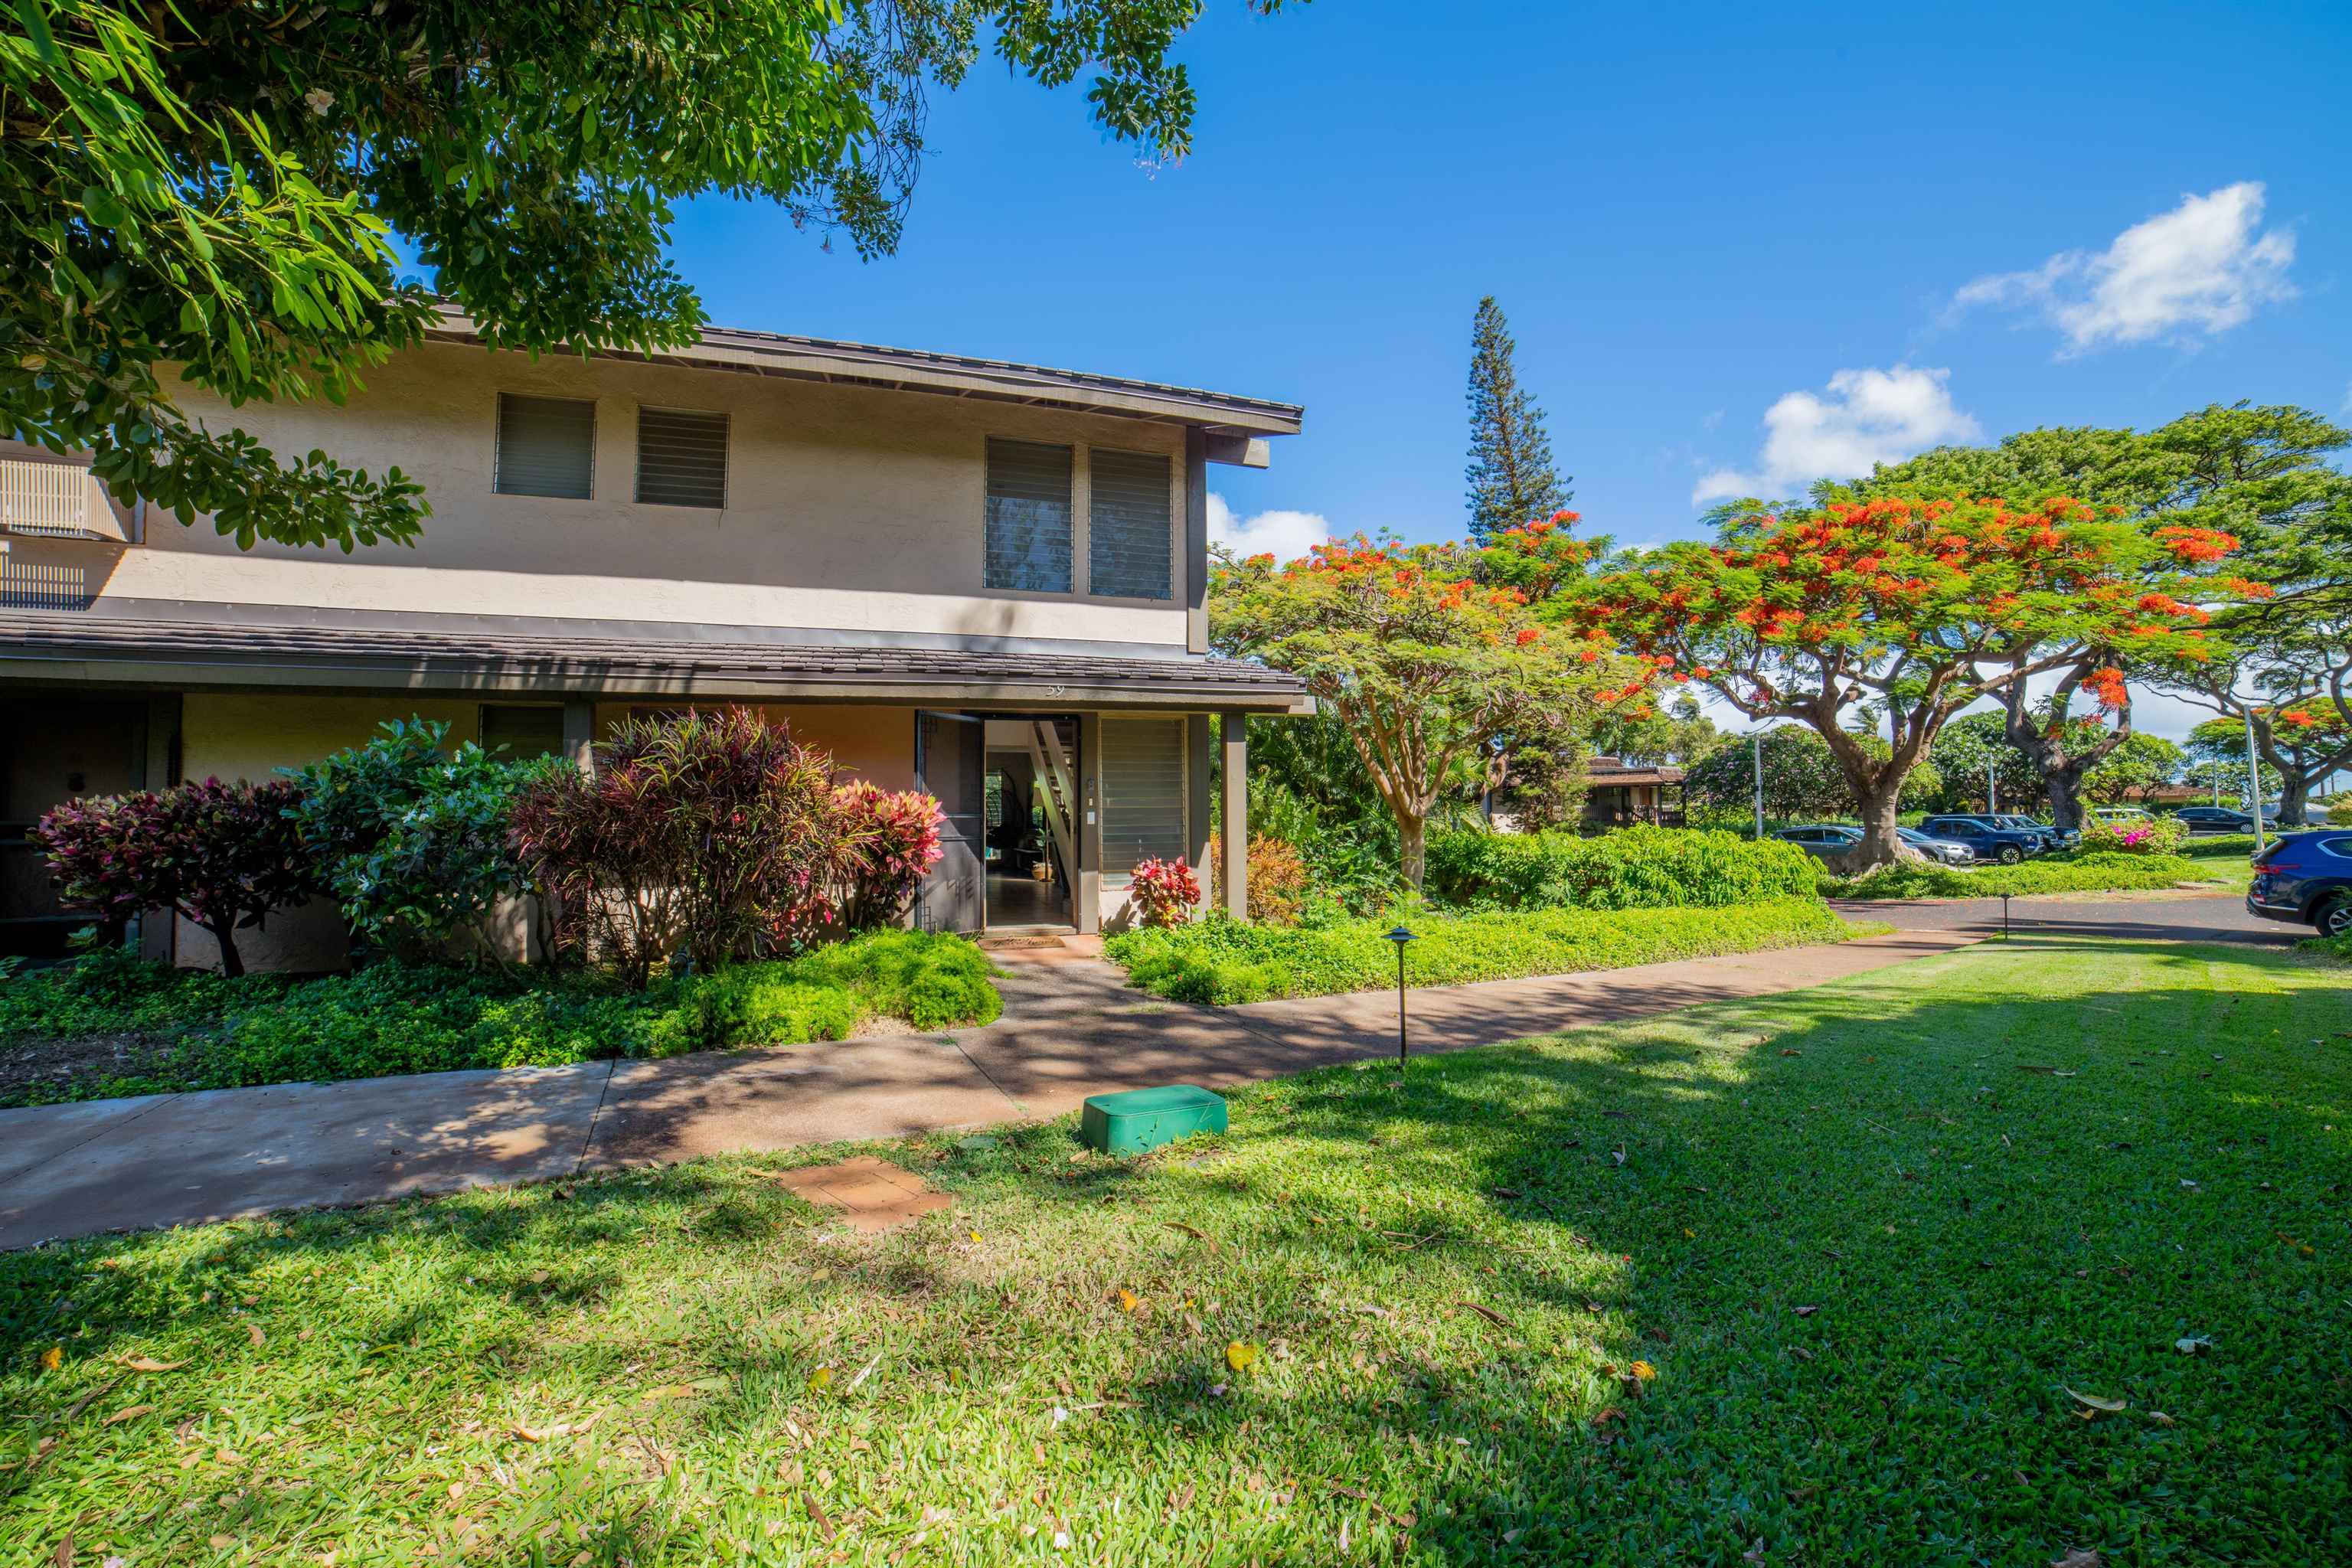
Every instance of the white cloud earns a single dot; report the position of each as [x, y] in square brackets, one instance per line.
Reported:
[2203, 266]
[1869, 416]
[1288, 536]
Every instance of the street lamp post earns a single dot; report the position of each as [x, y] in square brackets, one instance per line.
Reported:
[2253, 781]
[1756, 742]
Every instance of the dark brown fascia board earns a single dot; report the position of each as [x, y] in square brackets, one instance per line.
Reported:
[228, 671]
[954, 375]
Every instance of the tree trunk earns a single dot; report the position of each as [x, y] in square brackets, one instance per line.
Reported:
[2294, 798]
[231, 961]
[1413, 846]
[1881, 843]
[2065, 786]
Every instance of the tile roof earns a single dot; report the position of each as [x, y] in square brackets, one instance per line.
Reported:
[314, 656]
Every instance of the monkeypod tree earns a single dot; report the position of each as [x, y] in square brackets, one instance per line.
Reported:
[1917, 608]
[1426, 655]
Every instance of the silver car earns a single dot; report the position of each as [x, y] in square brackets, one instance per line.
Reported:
[1950, 851]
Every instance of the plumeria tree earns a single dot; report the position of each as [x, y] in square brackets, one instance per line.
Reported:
[1429, 657]
[1917, 608]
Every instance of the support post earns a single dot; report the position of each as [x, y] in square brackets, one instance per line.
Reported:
[1196, 803]
[2253, 781]
[1235, 830]
[580, 733]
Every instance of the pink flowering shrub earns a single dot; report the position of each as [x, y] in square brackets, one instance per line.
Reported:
[2134, 836]
[1165, 892]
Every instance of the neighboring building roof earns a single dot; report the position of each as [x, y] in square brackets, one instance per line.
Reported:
[1616, 771]
[78, 647]
[956, 376]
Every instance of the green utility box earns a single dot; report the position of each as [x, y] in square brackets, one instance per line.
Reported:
[1141, 1118]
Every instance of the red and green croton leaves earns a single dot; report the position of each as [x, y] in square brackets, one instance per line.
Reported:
[1914, 602]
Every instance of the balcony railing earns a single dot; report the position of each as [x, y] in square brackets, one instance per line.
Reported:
[54, 501]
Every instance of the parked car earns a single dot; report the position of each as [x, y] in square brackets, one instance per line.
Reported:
[2059, 837]
[1950, 851]
[1989, 837]
[1821, 841]
[2305, 877]
[2121, 813]
[2219, 819]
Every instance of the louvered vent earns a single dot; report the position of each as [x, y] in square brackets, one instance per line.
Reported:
[1128, 520]
[1143, 792]
[681, 459]
[547, 446]
[1028, 542]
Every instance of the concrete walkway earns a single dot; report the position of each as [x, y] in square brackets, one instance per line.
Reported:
[1072, 1027]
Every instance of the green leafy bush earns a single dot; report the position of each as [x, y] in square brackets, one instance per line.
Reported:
[2336, 947]
[203, 1031]
[1634, 869]
[2091, 873]
[1224, 962]
[411, 840]
[2218, 846]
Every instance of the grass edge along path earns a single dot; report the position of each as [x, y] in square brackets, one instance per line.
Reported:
[2016, 1251]
[1224, 962]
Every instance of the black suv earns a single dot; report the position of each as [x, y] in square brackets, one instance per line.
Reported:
[1989, 837]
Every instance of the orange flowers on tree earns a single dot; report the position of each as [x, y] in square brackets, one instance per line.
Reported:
[1426, 655]
[1917, 608]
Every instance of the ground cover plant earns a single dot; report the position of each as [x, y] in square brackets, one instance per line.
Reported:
[1828, 1276]
[113, 1025]
[1226, 962]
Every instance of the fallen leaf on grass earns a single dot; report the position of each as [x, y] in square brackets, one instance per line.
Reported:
[253, 1332]
[145, 1363]
[2095, 1405]
[2162, 1419]
[2077, 1557]
[1806, 1311]
[1127, 1301]
[1199, 1236]
[52, 1358]
[1183, 1499]
[821, 1379]
[1240, 1355]
[2193, 1345]
[128, 1412]
[1491, 1315]
[1642, 1370]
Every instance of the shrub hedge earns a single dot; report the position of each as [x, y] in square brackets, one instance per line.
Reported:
[1634, 869]
[1223, 961]
[2088, 873]
[199, 1030]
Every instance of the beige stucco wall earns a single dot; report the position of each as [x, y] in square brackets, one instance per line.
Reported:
[849, 509]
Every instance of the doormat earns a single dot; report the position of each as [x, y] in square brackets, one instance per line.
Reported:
[1034, 942]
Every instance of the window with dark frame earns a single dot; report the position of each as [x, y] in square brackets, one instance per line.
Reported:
[547, 446]
[1130, 553]
[1028, 532]
[681, 459]
[518, 732]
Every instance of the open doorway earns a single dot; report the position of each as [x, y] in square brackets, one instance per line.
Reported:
[1030, 785]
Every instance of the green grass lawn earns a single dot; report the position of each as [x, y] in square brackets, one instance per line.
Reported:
[1866, 1238]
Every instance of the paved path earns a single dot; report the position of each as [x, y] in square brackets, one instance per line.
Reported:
[1071, 1028]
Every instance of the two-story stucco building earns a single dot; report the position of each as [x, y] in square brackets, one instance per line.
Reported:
[986, 580]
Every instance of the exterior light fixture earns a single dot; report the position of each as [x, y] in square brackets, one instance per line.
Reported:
[1401, 936]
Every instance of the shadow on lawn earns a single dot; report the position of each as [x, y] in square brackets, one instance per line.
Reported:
[1867, 1241]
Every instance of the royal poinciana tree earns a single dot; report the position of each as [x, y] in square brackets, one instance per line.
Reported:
[2300, 740]
[1427, 656]
[1918, 608]
[2260, 475]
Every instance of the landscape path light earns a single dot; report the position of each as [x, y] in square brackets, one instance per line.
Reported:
[1401, 936]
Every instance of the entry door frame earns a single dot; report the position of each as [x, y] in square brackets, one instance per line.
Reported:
[953, 895]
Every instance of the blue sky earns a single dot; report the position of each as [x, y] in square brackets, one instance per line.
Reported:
[1689, 214]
